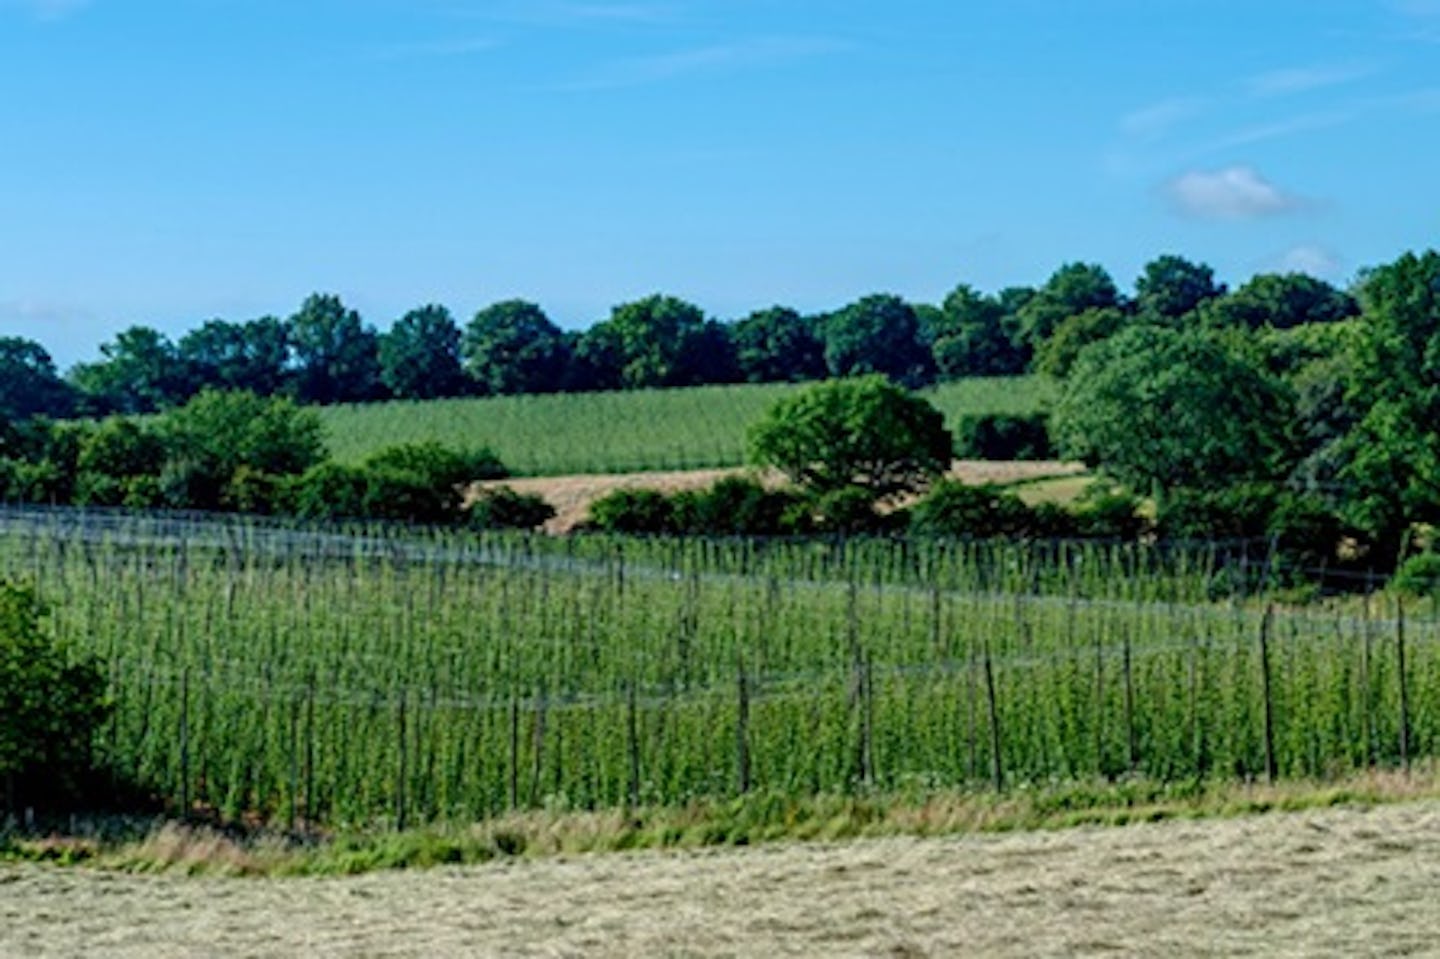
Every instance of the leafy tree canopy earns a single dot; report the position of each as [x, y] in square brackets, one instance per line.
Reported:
[778, 345]
[863, 432]
[1172, 286]
[1159, 408]
[1072, 289]
[337, 357]
[663, 341]
[513, 347]
[420, 355]
[877, 334]
[140, 372]
[238, 356]
[29, 383]
[1281, 301]
[971, 335]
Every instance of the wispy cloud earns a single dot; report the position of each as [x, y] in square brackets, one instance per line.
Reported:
[46, 9]
[1278, 129]
[1314, 260]
[1231, 193]
[1155, 120]
[638, 71]
[439, 48]
[1276, 83]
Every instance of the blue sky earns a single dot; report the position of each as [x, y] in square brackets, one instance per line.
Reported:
[165, 163]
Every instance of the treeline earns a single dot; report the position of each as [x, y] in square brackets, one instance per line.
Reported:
[325, 353]
[239, 452]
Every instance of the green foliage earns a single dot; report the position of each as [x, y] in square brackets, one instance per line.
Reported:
[51, 706]
[864, 432]
[955, 509]
[420, 355]
[513, 347]
[1305, 532]
[1056, 355]
[29, 383]
[423, 482]
[972, 335]
[337, 357]
[877, 334]
[1418, 576]
[210, 438]
[328, 491]
[501, 507]
[1000, 436]
[634, 511]
[739, 506]
[659, 341]
[1156, 407]
[1171, 287]
[140, 372]
[778, 345]
[849, 511]
[1103, 512]
[1072, 289]
[238, 356]
[1281, 301]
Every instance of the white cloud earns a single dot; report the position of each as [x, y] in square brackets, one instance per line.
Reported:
[1154, 121]
[1231, 193]
[1277, 83]
[643, 70]
[1314, 260]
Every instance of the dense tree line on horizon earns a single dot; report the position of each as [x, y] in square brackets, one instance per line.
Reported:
[325, 353]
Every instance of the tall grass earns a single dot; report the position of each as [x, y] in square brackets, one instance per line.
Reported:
[398, 677]
[621, 432]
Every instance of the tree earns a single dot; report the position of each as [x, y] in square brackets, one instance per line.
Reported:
[238, 356]
[1158, 408]
[211, 438]
[1072, 289]
[337, 357]
[1390, 460]
[513, 347]
[1172, 286]
[51, 706]
[29, 383]
[141, 372]
[1056, 355]
[1281, 301]
[970, 337]
[420, 355]
[660, 341]
[864, 432]
[877, 334]
[778, 345]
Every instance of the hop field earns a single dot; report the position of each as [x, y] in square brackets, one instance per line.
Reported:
[623, 432]
[389, 676]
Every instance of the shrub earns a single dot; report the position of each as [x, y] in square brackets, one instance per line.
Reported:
[851, 511]
[1418, 576]
[1003, 436]
[955, 509]
[50, 706]
[327, 491]
[500, 507]
[633, 511]
[735, 506]
[1103, 512]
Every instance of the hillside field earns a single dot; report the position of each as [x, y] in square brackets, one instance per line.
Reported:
[623, 432]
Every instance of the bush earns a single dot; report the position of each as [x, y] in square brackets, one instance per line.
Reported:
[1418, 576]
[1003, 436]
[643, 511]
[51, 706]
[735, 506]
[982, 512]
[327, 491]
[500, 507]
[1103, 512]
[851, 511]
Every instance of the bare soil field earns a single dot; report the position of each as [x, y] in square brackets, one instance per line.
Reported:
[572, 495]
[1340, 881]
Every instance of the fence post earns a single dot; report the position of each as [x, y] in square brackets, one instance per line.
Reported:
[1404, 686]
[632, 736]
[514, 752]
[742, 730]
[185, 742]
[400, 768]
[997, 767]
[1132, 742]
[1270, 765]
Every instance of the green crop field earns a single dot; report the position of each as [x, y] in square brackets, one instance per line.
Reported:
[383, 677]
[624, 432]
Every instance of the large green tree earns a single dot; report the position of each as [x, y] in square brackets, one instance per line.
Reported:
[336, 355]
[971, 335]
[864, 432]
[661, 341]
[1159, 408]
[1171, 286]
[1281, 301]
[778, 345]
[513, 347]
[253, 355]
[879, 333]
[1072, 289]
[420, 355]
[140, 372]
[29, 383]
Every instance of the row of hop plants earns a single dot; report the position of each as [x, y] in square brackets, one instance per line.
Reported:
[398, 677]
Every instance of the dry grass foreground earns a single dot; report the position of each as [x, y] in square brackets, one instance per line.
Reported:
[1337, 881]
[572, 495]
